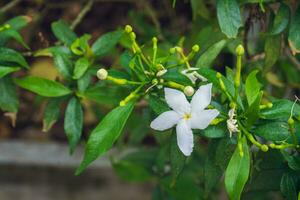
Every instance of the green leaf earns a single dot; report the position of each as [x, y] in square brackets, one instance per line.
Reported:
[4, 70]
[273, 131]
[288, 186]
[177, 159]
[8, 95]
[105, 134]
[51, 113]
[281, 110]
[208, 57]
[229, 17]
[10, 33]
[12, 56]
[216, 131]
[43, 87]
[281, 20]
[73, 122]
[63, 32]
[237, 172]
[294, 33]
[272, 50]
[18, 22]
[81, 45]
[252, 112]
[106, 42]
[252, 87]
[157, 105]
[81, 66]
[63, 64]
[176, 76]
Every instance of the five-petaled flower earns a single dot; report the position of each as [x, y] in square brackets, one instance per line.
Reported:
[186, 116]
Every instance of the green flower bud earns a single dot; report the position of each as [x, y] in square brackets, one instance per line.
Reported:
[240, 50]
[128, 29]
[264, 148]
[195, 48]
[172, 50]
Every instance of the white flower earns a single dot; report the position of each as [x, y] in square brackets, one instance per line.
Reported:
[193, 75]
[186, 116]
[232, 122]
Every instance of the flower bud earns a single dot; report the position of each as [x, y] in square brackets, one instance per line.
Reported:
[128, 29]
[195, 48]
[240, 50]
[291, 121]
[122, 103]
[102, 74]
[188, 91]
[219, 75]
[154, 40]
[172, 50]
[264, 148]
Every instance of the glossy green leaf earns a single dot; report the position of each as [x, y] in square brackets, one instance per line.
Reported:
[18, 22]
[51, 113]
[294, 33]
[252, 112]
[4, 70]
[8, 95]
[106, 42]
[63, 64]
[207, 58]
[252, 87]
[281, 20]
[73, 122]
[272, 50]
[43, 87]
[237, 172]
[105, 134]
[80, 68]
[12, 56]
[216, 131]
[157, 105]
[281, 110]
[288, 186]
[273, 131]
[229, 17]
[63, 32]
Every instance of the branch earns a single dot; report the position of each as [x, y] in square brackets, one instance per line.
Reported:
[81, 15]
[9, 6]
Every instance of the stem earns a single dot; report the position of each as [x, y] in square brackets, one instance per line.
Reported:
[9, 6]
[81, 15]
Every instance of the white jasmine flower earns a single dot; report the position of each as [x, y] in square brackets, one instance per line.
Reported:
[232, 122]
[193, 75]
[186, 116]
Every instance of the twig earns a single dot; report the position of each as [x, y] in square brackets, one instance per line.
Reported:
[292, 58]
[81, 15]
[9, 6]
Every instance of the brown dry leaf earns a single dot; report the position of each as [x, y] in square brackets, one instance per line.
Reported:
[293, 48]
[12, 116]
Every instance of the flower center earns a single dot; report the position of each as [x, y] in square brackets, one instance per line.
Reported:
[187, 116]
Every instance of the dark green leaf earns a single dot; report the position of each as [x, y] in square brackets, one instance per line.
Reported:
[288, 186]
[63, 32]
[18, 22]
[252, 87]
[12, 56]
[281, 19]
[237, 172]
[216, 131]
[51, 113]
[4, 70]
[63, 64]
[229, 17]
[106, 42]
[252, 112]
[272, 50]
[73, 122]
[105, 134]
[157, 105]
[273, 131]
[281, 109]
[43, 87]
[207, 58]
[8, 96]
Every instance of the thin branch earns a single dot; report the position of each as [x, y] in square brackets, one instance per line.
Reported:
[9, 6]
[83, 12]
[292, 58]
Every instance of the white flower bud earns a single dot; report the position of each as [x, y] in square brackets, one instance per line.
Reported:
[189, 91]
[102, 74]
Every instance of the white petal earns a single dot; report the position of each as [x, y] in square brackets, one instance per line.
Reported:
[201, 98]
[165, 121]
[201, 120]
[185, 138]
[177, 101]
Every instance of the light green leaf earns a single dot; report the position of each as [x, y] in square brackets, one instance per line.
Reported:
[4, 70]
[229, 17]
[73, 122]
[43, 87]
[252, 87]
[157, 105]
[237, 172]
[63, 32]
[294, 33]
[12, 56]
[8, 95]
[81, 66]
[106, 42]
[281, 20]
[207, 58]
[272, 50]
[105, 134]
